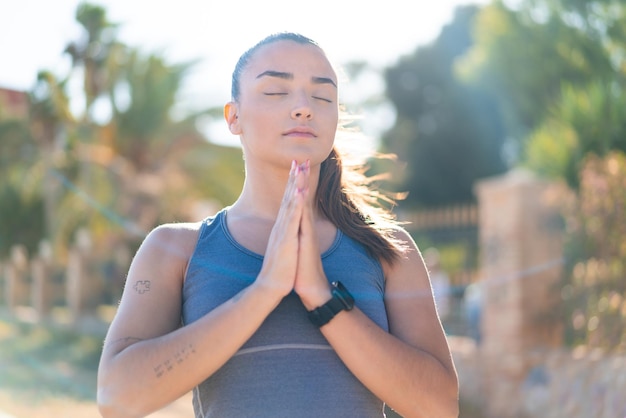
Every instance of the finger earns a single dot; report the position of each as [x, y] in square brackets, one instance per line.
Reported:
[303, 176]
[290, 183]
[286, 206]
[290, 212]
[307, 227]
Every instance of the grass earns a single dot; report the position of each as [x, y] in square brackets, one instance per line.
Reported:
[50, 371]
[43, 361]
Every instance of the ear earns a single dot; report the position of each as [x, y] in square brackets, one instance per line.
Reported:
[230, 114]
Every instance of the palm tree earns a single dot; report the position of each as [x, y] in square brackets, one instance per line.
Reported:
[93, 52]
[157, 149]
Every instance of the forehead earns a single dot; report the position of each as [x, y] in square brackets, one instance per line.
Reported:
[291, 57]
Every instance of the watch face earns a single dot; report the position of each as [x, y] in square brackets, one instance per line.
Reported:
[343, 294]
[341, 300]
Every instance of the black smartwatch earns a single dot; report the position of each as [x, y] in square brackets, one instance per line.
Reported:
[341, 300]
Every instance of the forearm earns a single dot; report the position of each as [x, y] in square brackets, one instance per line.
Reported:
[410, 380]
[150, 374]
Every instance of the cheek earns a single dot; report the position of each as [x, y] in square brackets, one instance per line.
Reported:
[331, 124]
[258, 120]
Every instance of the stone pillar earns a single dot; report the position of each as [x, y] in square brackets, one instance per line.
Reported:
[77, 280]
[16, 278]
[3, 281]
[42, 290]
[521, 259]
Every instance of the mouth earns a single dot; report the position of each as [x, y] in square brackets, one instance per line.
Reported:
[300, 132]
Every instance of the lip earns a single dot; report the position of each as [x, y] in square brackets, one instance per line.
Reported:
[301, 131]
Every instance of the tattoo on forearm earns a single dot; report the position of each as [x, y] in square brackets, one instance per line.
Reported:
[178, 358]
[142, 286]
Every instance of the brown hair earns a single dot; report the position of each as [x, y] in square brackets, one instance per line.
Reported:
[344, 194]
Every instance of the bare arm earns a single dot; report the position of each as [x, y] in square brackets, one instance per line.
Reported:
[148, 360]
[410, 368]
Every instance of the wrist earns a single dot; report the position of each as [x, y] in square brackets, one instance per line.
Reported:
[268, 292]
[313, 297]
[341, 300]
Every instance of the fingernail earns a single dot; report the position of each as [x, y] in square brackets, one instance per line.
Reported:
[297, 170]
[293, 165]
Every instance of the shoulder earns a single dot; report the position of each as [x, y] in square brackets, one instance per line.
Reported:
[409, 264]
[401, 235]
[177, 230]
[407, 248]
[170, 242]
[180, 233]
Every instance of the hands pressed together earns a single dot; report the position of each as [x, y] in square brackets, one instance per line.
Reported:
[292, 259]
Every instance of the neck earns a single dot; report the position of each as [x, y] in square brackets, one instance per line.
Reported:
[264, 188]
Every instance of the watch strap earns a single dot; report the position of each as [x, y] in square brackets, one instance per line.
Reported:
[323, 314]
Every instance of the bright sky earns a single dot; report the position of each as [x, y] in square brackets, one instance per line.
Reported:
[33, 33]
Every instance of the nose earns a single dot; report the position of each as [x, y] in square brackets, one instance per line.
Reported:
[302, 109]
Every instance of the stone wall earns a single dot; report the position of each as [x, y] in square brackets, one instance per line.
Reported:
[558, 384]
[520, 368]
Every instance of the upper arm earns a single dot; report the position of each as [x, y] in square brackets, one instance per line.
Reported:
[410, 304]
[151, 301]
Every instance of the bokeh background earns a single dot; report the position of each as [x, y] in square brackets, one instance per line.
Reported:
[507, 120]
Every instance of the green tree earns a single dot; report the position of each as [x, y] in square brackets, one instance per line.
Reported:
[133, 162]
[96, 53]
[116, 173]
[50, 119]
[449, 134]
[524, 56]
[21, 205]
[586, 121]
[594, 290]
[144, 129]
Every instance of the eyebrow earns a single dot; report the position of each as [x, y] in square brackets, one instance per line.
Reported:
[289, 76]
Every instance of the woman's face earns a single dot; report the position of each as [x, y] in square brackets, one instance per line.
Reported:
[287, 107]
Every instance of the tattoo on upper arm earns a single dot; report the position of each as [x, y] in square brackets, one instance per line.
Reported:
[178, 358]
[142, 286]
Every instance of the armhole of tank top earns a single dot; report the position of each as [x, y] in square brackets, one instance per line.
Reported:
[204, 225]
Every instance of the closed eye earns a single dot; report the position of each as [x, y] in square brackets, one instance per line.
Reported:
[275, 94]
[323, 99]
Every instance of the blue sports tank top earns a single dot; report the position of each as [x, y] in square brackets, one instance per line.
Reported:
[287, 368]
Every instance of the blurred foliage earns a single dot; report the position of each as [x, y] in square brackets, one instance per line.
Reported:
[535, 82]
[22, 217]
[594, 289]
[21, 204]
[524, 56]
[448, 133]
[586, 120]
[557, 69]
[119, 165]
[538, 83]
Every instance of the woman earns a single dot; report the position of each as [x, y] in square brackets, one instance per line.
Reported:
[266, 330]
